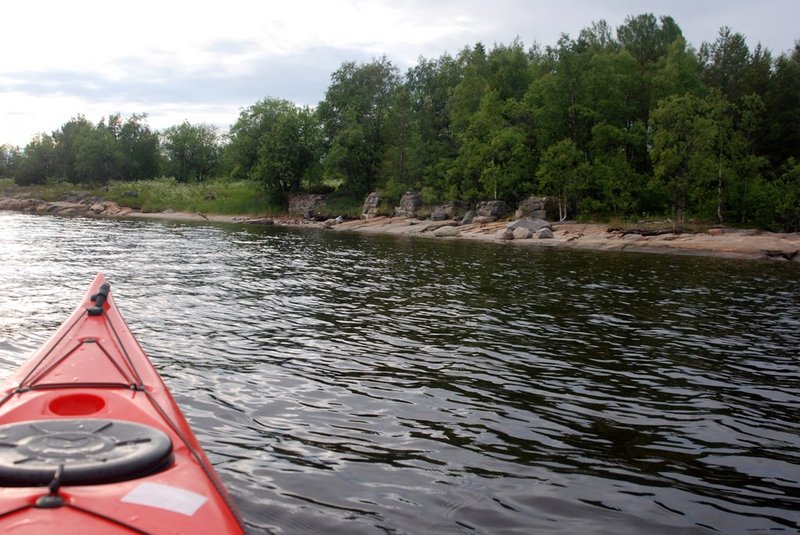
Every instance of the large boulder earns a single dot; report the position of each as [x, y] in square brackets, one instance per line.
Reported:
[438, 214]
[23, 205]
[450, 210]
[521, 233]
[505, 234]
[13, 204]
[98, 208]
[105, 208]
[494, 209]
[544, 233]
[371, 204]
[63, 208]
[468, 217]
[409, 204]
[112, 208]
[535, 207]
[529, 223]
[306, 204]
[446, 232]
[330, 223]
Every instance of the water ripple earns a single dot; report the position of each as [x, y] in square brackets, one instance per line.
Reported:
[360, 384]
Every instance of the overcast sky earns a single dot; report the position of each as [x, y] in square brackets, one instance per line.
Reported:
[204, 62]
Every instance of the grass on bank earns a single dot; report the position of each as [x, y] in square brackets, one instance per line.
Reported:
[340, 205]
[218, 196]
[56, 191]
[214, 196]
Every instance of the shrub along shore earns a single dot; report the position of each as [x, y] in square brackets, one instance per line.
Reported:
[219, 206]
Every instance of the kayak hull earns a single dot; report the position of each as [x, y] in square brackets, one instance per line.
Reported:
[90, 437]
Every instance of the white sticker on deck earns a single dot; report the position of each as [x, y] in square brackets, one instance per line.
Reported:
[166, 497]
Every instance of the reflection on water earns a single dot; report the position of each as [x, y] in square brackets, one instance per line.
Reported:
[352, 384]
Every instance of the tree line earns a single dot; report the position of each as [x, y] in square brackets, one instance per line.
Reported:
[116, 148]
[630, 123]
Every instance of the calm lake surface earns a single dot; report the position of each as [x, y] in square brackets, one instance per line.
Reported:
[344, 383]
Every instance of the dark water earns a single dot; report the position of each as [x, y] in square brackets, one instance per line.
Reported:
[351, 384]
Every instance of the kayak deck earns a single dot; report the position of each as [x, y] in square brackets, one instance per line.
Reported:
[90, 437]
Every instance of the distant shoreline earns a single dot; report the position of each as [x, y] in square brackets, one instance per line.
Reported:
[730, 243]
[717, 242]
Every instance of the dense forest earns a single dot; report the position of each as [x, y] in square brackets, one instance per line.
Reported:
[629, 123]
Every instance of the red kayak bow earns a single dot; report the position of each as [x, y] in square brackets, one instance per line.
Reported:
[92, 441]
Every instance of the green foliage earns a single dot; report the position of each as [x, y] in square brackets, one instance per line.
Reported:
[137, 145]
[676, 153]
[353, 117]
[276, 144]
[492, 126]
[612, 185]
[80, 152]
[679, 74]
[66, 144]
[9, 161]
[210, 196]
[701, 155]
[341, 204]
[192, 151]
[392, 191]
[97, 158]
[726, 63]
[787, 193]
[781, 138]
[560, 172]
[38, 162]
[429, 196]
[431, 145]
[775, 204]
[646, 38]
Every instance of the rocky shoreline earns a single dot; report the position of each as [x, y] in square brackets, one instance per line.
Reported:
[717, 242]
[79, 205]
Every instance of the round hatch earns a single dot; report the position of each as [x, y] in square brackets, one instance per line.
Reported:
[91, 451]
